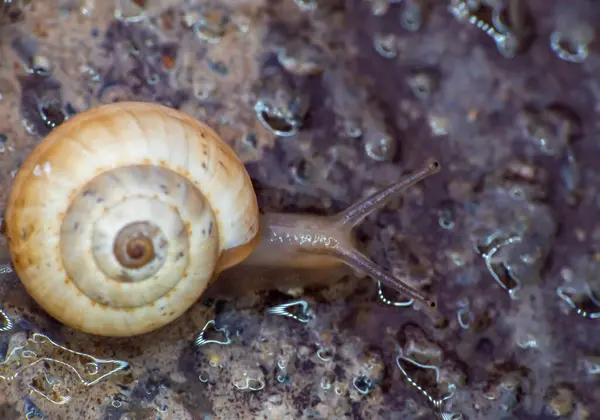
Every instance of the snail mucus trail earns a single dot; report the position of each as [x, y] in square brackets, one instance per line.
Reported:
[121, 217]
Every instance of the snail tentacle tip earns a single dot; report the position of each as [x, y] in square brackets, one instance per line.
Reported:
[431, 305]
[433, 165]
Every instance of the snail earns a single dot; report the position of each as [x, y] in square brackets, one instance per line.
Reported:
[123, 214]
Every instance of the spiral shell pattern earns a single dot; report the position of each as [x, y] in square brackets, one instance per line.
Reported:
[121, 216]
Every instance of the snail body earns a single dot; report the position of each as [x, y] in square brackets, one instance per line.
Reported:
[121, 217]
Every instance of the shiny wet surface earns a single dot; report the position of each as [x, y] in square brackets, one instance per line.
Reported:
[505, 237]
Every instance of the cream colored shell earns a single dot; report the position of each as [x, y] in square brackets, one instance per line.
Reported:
[104, 169]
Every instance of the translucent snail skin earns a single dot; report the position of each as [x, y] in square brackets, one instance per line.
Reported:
[120, 218]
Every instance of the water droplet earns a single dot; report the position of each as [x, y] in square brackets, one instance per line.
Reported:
[129, 11]
[446, 215]
[324, 354]
[41, 65]
[568, 49]
[302, 171]
[211, 26]
[440, 126]
[363, 384]
[52, 114]
[411, 16]
[386, 45]
[381, 148]
[249, 139]
[351, 129]
[423, 84]
[153, 79]
[327, 381]
[306, 5]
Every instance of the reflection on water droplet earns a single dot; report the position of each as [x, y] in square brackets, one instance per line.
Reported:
[211, 334]
[591, 365]
[92, 368]
[302, 171]
[363, 384]
[40, 65]
[423, 84]
[129, 11]
[306, 5]
[352, 129]
[275, 120]
[507, 44]
[386, 45]
[379, 7]
[51, 383]
[440, 126]
[153, 79]
[203, 88]
[283, 379]
[324, 354]
[250, 140]
[465, 317]
[211, 26]
[251, 384]
[568, 49]
[162, 408]
[528, 342]
[297, 310]
[381, 148]
[446, 216]
[32, 411]
[327, 381]
[411, 17]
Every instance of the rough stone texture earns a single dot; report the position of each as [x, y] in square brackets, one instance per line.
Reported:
[517, 139]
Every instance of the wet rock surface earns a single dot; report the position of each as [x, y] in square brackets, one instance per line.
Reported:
[325, 102]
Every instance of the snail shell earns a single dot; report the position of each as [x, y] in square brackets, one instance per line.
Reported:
[122, 215]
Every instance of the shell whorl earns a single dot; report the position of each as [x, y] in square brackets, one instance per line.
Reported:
[121, 216]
